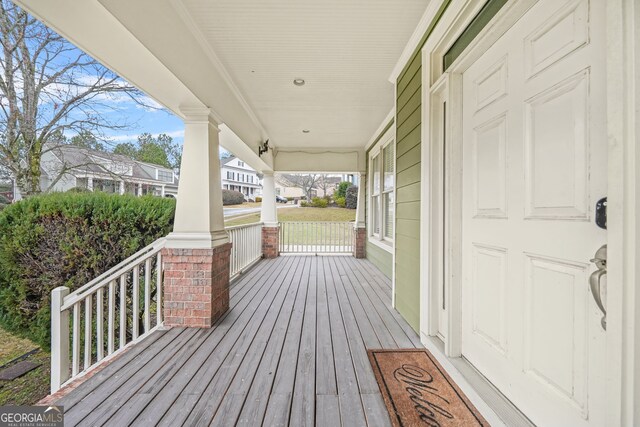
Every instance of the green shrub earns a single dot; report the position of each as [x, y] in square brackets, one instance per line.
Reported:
[351, 199]
[341, 191]
[341, 202]
[258, 199]
[319, 202]
[230, 197]
[304, 204]
[78, 190]
[4, 202]
[68, 239]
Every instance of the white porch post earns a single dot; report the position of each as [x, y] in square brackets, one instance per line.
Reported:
[360, 213]
[269, 218]
[59, 339]
[199, 220]
[360, 230]
[163, 191]
[196, 258]
[269, 213]
[122, 187]
[90, 183]
[139, 192]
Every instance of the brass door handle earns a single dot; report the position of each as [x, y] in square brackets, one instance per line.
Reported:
[600, 260]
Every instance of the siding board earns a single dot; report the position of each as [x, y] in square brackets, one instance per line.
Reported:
[408, 134]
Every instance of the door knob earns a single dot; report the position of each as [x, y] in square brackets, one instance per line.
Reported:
[600, 260]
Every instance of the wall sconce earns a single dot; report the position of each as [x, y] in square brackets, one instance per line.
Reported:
[263, 148]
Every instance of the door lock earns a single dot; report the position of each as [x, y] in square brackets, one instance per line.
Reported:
[600, 260]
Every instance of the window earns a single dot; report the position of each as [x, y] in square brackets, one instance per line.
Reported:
[375, 195]
[229, 175]
[240, 163]
[382, 194]
[165, 176]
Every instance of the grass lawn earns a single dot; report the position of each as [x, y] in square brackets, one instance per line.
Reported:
[30, 388]
[299, 214]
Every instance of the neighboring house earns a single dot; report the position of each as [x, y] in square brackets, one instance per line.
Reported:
[69, 166]
[485, 135]
[238, 176]
[292, 193]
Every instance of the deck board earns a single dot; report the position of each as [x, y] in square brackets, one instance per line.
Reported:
[290, 351]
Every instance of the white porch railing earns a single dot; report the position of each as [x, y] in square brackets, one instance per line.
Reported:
[247, 246]
[316, 237]
[124, 303]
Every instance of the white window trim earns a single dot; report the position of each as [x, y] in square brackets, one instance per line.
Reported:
[378, 239]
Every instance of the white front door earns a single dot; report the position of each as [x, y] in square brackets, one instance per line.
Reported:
[534, 165]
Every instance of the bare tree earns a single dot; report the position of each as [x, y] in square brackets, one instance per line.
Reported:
[48, 88]
[324, 184]
[307, 182]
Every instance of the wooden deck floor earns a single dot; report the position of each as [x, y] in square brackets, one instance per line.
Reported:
[290, 351]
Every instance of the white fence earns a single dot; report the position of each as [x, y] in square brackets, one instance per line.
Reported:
[316, 237]
[247, 246]
[125, 304]
[122, 305]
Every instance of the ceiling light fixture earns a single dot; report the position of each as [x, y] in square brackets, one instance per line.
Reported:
[298, 82]
[305, 131]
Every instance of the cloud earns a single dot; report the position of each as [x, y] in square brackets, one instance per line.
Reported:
[134, 137]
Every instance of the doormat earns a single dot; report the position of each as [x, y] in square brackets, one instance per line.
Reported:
[417, 391]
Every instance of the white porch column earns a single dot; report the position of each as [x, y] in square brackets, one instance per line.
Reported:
[139, 191]
[122, 188]
[360, 209]
[90, 183]
[269, 213]
[163, 191]
[199, 220]
[360, 230]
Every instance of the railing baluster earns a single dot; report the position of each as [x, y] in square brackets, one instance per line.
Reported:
[104, 288]
[147, 295]
[159, 279]
[111, 327]
[135, 316]
[88, 312]
[75, 358]
[100, 324]
[123, 310]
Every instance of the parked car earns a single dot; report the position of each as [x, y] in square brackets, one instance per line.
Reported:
[281, 199]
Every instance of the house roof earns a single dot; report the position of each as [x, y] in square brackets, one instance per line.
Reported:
[87, 160]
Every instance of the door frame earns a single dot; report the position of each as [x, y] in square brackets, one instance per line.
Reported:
[623, 237]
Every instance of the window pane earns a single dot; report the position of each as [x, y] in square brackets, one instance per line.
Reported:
[375, 213]
[376, 174]
[388, 155]
[388, 214]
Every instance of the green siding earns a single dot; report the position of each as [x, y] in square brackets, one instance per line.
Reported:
[378, 256]
[408, 148]
[409, 116]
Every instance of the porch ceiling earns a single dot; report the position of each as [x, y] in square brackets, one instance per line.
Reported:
[343, 49]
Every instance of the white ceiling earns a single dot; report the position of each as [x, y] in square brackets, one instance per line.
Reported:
[343, 49]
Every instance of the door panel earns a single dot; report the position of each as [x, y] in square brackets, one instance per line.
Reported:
[534, 164]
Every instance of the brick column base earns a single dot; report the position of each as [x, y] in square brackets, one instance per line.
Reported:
[270, 242]
[196, 285]
[360, 242]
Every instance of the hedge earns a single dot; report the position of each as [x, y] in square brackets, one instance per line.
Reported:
[319, 202]
[351, 199]
[230, 197]
[68, 239]
[4, 202]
